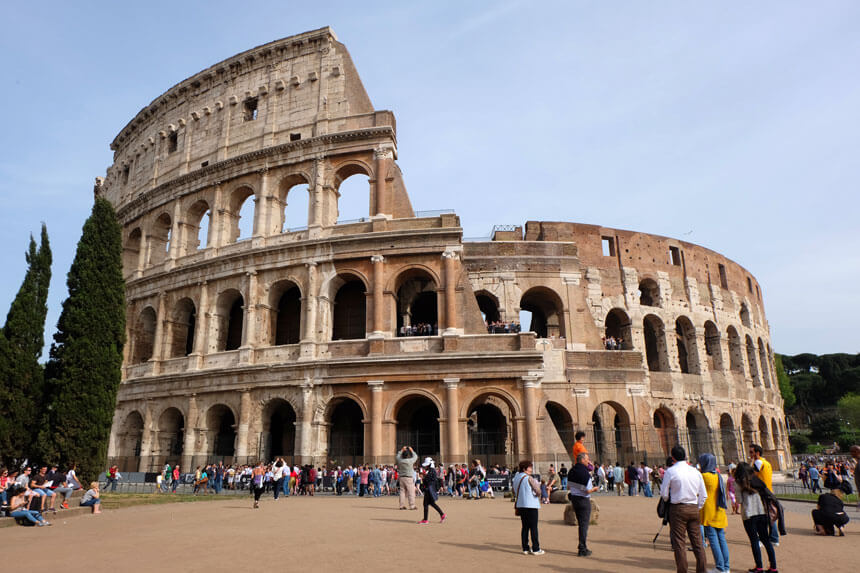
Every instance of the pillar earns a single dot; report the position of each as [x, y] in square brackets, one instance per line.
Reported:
[158, 339]
[189, 441]
[378, 294]
[201, 329]
[263, 207]
[309, 325]
[375, 419]
[453, 414]
[176, 239]
[249, 330]
[141, 254]
[531, 384]
[146, 439]
[242, 428]
[316, 198]
[306, 445]
[449, 258]
[383, 158]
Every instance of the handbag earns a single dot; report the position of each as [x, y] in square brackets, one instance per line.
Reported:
[517, 495]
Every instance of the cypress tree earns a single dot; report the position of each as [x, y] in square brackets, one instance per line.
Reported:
[84, 369]
[22, 341]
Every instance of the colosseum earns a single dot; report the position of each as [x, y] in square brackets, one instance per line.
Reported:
[338, 341]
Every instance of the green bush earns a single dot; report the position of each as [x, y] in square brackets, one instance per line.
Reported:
[799, 443]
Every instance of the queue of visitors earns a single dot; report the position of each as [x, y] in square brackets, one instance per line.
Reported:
[420, 329]
[501, 327]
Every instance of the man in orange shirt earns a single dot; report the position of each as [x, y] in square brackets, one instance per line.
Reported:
[579, 446]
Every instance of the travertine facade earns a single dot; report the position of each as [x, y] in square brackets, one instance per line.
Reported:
[286, 342]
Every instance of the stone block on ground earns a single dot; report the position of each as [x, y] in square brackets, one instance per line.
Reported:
[558, 496]
[570, 515]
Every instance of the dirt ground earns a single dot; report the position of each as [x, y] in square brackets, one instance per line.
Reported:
[331, 533]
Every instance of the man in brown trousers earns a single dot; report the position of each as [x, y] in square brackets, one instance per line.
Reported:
[684, 489]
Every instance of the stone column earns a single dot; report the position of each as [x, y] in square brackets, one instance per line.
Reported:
[378, 294]
[141, 254]
[453, 414]
[263, 206]
[382, 203]
[158, 339]
[531, 384]
[375, 418]
[306, 429]
[244, 423]
[146, 439]
[189, 441]
[307, 349]
[201, 329]
[316, 198]
[449, 258]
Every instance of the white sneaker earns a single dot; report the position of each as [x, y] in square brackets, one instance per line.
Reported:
[538, 552]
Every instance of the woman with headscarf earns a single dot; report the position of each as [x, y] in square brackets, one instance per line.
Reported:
[431, 490]
[713, 513]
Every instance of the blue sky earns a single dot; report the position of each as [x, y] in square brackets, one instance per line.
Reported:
[732, 125]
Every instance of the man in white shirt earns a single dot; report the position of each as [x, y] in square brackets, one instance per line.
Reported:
[684, 488]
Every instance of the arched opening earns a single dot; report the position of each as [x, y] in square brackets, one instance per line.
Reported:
[764, 434]
[547, 312]
[171, 435]
[418, 426]
[489, 431]
[617, 331]
[774, 434]
[748, 431]
[346, 431]
[613, 439]
[230, 316]
[728, 436]
[489, 307]
[131, 252]
[563, 424]
[144, 336]
[279, 430]
[736, 361]
[712, 346]
[349, 320]
[159, 239]
[130, 438]
[667, 430]
[221, 426]
[649, 293]
[197, 233]
[353, 199]
[294, 193]
[685, 339]
[240, 215]
[754, 373]
[745, 315]
[655, 344]
[417, 306]
[698, 434]
[762, 358]
[286, 304]
[182, 328]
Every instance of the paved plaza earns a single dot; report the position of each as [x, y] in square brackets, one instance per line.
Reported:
[331, 533]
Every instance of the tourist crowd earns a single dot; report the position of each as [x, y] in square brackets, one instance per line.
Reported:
[27, 495]
[420, 329]
[501, 327]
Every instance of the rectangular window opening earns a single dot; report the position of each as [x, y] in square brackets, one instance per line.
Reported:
[172, 142]
[724, 281]
[758, 292]
[251, 109]
[125, 171]
[204, 164]
[675, 256]
[749, 284]
[295, 136]
[608, 246]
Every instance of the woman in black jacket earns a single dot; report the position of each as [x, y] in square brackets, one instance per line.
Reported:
[431, 490]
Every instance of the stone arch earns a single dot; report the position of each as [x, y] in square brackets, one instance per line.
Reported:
[713, 348]
[240, 205]
[763, 361]
[199, 223]
[547, 312]
[563, 423]
[744, 315]
[732, 445]
[285, 321]
[764, 433]
[491, 428]
[229, 318]
[753, 363]
[182, 326]
[353, 204]
[667, 429]
[736, 361]
[294, 196]
[688, 347]
[613, 439]
[278, 436]
[656, 353]
[131, 435]
[221, 431]
[344, 420]
[617, 325]
[698, 434]
[417, 299]
[416, 416]
[171, 434]
[131, 250]
[776, 437]
[349, 307]
[159, 238]
[649, 292]
[488, 304]
[144, 335]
